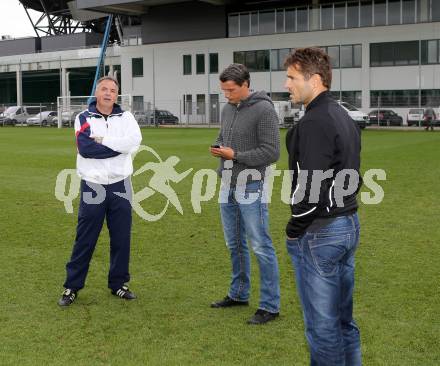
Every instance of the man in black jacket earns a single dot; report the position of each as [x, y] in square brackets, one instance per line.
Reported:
[323, 231]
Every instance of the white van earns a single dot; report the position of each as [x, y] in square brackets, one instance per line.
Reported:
[356, 115]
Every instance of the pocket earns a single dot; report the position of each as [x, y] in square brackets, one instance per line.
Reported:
[327, 251]
[293, 246]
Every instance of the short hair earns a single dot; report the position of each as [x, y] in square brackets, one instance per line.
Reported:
[237, 73]
[310, 61]
[108, 77]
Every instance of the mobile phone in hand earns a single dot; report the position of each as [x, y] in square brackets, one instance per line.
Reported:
[215, 146]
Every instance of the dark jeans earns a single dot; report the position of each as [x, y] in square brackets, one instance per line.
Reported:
[117, 211]
[324, 269]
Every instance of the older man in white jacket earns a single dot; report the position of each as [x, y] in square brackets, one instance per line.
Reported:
[106, 136]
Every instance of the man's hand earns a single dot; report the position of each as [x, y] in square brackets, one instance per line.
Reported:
[98, 139]
[223, 152]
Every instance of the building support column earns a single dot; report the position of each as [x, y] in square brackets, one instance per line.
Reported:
[19, 78]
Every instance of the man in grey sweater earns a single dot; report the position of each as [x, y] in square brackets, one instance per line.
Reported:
[247, 144]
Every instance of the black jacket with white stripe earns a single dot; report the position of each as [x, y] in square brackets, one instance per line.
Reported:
[324, 156]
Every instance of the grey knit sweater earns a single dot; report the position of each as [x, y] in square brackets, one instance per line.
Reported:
[251, 130]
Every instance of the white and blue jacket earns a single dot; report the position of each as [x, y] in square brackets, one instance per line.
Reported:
[111, 161]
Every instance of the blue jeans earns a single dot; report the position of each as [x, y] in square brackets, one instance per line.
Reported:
[324, 267]
[243, 219]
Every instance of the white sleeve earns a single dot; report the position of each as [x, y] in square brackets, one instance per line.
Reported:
[128, 143]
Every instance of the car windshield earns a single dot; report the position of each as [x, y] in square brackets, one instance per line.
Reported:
[349, 107]
[415, 111]
[11, 109]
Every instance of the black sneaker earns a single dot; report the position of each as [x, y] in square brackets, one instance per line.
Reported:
[227, 302]
[67, 297]
[124, 293]
[262, 316]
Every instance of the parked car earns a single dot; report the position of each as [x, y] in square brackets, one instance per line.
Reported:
[14, 115]
[162, 117]
[385, 117]
[141, 117]
[420, 115]
[41, 119]
[357, 115]
[67, 118]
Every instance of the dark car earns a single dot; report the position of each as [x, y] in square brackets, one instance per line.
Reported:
[385, 117]
[163, 117]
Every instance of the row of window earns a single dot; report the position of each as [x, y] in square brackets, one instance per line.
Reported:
[200, 64]
[405, 98]
[405, 53]
[337, 15]
[344, 56]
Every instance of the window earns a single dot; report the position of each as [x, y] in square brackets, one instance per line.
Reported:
[266, 22]
[357, 55]
[346, 56]
[201, 110]
[187, 104]
[366, 14]
[380, 12]
[290, 19]
[254, 23]
[187, 65]
[278, 57]
[408, 11]
[339, 12]
[352, 97]
[394, 53]
[137, 67]
[422, 11]
[138, 102]
[333, 52]
[394, 98]
[233, 25]
[213, 63]
[353, 15]
[244, 24]
[200, 64]
[280, 20]
[327, 17]
[430, 51]
[430, 98]
[393, 12]
[253, 60]
[302, 19]
[435, 16]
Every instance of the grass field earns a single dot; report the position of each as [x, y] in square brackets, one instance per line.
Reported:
[180, 264]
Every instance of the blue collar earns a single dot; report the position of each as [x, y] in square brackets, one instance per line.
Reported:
[117, 110]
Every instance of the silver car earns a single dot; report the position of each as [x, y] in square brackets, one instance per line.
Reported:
[41, 119]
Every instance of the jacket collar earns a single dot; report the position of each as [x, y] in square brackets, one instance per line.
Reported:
[318, 99]
[117, 110]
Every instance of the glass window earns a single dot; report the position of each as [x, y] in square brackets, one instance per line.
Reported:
[290, 16]
[408, 11]
[244, 24]
[339, 12]
[213, 63]
[435, 15]
[302, 19]
[254, 23]
[251, 60]
[386, 54]
[327, 17]
[187, 104]
[380, 12]
[393, 12]
[357, 55]
[233, 25]
[277, 58]
[187, 65]
[406, 53]
[366, 14]
[353, 15]
[422, 11]
[314, 18]
[280, 20]
[239, 57]
[346, 56]
[200, 64]
[284, 52]
[266, 22]
[274, 60]
[432, 52]
[333, 52]
[201, 104]
[137, 67]
[374, 54]
[263, 60]
[138, 102]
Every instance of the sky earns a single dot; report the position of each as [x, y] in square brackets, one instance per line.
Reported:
[14, 21]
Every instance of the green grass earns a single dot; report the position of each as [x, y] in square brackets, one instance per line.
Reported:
[180, 264]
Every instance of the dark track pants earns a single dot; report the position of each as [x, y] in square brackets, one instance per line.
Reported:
[117, 211]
